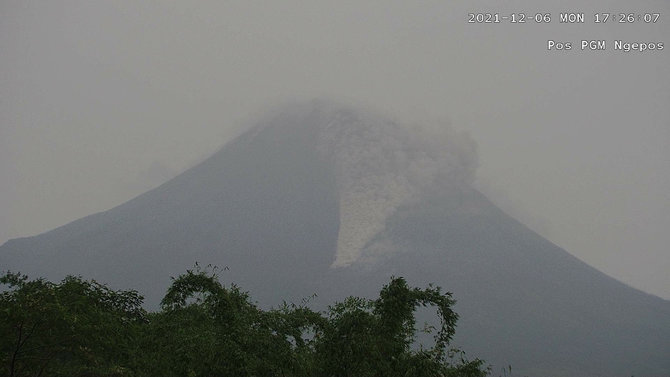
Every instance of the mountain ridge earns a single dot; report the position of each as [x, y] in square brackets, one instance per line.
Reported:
[321, 198]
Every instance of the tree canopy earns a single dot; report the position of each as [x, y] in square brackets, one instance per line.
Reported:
[204, 328]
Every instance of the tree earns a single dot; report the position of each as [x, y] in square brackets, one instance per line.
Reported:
[374, 338]
[73, 328]
[205, 328]
[83, 328]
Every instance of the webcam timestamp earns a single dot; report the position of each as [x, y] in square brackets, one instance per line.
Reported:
[513, 18]
[564, 18]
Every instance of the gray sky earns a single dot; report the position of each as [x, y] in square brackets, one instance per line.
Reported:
[100, 101]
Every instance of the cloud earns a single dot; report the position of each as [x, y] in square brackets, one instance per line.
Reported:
[380, 165]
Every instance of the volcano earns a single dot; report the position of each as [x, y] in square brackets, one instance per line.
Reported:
[320, 198]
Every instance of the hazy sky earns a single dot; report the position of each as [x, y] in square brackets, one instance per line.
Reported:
[102, 100]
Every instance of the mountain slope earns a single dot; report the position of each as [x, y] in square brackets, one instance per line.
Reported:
[320, 198]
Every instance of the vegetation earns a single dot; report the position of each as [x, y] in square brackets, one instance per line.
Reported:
[83, 328]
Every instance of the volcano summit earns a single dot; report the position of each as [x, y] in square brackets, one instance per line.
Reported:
[326, 199]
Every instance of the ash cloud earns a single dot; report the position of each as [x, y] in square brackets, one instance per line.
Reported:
[381, 164]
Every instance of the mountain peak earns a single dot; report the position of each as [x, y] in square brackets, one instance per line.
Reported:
[333, 200]
[379, 163]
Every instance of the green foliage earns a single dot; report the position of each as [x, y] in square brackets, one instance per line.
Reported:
[208, 329]
[81, 328]
[374, 338]
[68, 329]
